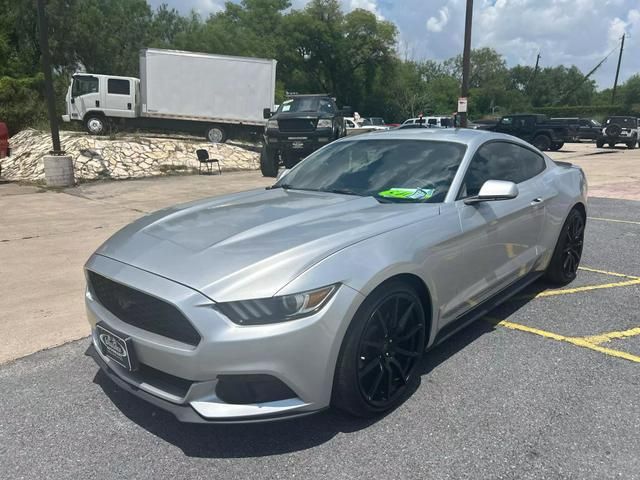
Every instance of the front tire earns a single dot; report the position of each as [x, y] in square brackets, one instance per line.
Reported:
[599, 144]
[631, 145]
[557, 146]
[268, 162]
[96, 124]
[381, 351]
[564, 263]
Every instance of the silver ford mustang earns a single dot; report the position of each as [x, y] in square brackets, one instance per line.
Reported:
[327, 288]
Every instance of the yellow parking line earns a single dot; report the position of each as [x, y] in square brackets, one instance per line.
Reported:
[605, 272]
[606, 337]
[586, 288]
[580, 342]
[613, 220]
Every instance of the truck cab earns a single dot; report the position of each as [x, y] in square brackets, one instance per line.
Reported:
[301, 125]
[536, 129]
[92, 99]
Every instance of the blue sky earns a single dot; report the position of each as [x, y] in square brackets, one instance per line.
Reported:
[566, 32]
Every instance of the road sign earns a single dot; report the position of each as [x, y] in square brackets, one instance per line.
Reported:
[462, 105]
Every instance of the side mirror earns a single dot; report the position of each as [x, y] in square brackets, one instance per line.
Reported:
[282, 173]
[266, 113]
[493, 190]
[73, 99]
[346, 111]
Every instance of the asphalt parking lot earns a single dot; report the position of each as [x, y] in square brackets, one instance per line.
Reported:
[545, 387]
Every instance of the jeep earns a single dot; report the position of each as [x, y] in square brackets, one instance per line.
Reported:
[619, 130]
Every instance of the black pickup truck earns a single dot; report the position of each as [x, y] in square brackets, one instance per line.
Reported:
[301, 125]
[536, 129]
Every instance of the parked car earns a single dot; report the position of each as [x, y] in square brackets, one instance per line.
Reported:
[536, 129]
[585, 128]
[621, 129]
[301, 125]
[356, 128]
[373, 122]
[434, 121]
[5, 150]
[327, 288]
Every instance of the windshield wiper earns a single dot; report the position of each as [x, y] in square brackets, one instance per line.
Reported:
[343, 191]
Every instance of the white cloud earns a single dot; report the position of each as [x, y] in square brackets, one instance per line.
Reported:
[437, 24]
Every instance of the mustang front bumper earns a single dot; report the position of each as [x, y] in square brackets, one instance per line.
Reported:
[299, 355]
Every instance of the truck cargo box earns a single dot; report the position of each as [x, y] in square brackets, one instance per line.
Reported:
[202, 87]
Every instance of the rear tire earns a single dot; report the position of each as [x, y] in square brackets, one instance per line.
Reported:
[564, 263]
[268, 162]
[381, 351]
[632, 144]
[556, 146]
[599, 144]
[216, 134]
[542, 142]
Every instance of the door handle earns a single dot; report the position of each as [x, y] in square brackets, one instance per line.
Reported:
[536, 201]
[97, 103]
[129, 106]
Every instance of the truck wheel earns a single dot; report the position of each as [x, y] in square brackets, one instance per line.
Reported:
[556, 146]
[268, 162]
[95, 124]
[216, 134]
[599, 143]
[542, 142]
[631, 144]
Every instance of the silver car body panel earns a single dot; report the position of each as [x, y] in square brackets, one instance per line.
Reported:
[263, 243]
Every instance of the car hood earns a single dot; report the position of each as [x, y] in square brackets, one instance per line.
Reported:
[251, 244]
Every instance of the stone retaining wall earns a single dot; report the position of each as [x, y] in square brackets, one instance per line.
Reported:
[119, 158]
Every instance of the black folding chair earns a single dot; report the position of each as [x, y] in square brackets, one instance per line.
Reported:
[203, 158]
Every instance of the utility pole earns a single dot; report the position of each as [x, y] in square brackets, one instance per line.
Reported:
[615, 83]
[466, 61]
[48, 80]
[532, 80]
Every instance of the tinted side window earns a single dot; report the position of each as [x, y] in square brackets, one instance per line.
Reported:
[500, 161]
[117, 86]
[84, 85]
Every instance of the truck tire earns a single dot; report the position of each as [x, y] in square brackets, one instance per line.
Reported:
[216, 134]
[613, 130]
[599, 143]
[632, 144]
[542, 142]
[268, 162]
[95, 124]
[556, 146]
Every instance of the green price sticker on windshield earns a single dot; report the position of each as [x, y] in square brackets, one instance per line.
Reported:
[408, 193]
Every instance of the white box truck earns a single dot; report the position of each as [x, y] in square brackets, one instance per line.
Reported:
[212, 95]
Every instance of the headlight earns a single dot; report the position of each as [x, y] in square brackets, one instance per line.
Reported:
[272, 123]
[262, 311]
[325, 123]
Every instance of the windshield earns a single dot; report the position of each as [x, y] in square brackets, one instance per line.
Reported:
[306, 104]
[389, 170]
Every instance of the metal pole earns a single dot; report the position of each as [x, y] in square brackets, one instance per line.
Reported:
[466, 59]
[615, 83]
[48, 80]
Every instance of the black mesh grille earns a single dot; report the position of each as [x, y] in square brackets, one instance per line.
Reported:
[143, 311]
[296, 125]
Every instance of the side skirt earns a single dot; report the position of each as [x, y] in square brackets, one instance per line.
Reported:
[485, 307]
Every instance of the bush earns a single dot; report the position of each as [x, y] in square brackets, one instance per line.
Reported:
[22, 102]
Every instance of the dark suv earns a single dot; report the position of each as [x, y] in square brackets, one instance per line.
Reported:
[536, 129]
[619, 130]
[301, 125]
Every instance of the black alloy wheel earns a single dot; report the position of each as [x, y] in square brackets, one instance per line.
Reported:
[574, 233]
[564, 263]
[390, 346]
[381, 352]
